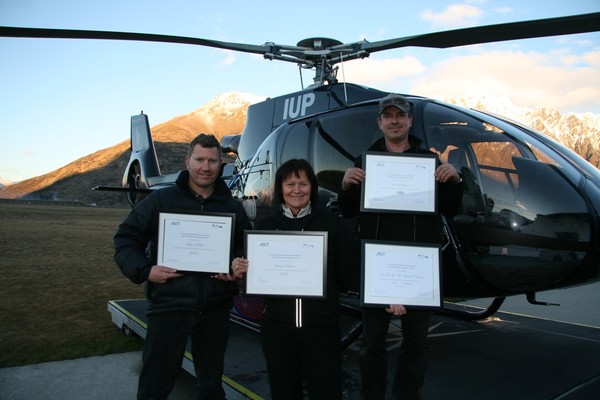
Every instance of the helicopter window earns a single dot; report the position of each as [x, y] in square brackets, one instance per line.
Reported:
[258, 174]
[338, 139]
[497, 173]
[455, 137]
[541, 156]
[294, 143]
[522, 223]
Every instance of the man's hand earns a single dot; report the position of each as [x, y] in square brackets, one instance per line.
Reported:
[239, 266]
[224, 277]
[160, 274]
[352, 176]
[447, 173]
[396, 309]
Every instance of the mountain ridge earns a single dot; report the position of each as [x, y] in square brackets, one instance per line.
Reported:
[578, 131]
[226, 114]
[74, 181]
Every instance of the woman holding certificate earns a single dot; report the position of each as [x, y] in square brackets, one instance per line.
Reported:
[301, 334]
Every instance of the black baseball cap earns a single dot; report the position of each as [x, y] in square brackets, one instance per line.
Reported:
[394, 100]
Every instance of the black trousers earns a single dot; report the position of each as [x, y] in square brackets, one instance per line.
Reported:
[164, 348]
[412, 360]
[294, 355]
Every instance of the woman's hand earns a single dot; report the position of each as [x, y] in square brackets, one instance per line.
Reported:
[239, 266]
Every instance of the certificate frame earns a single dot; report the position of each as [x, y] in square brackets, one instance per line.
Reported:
[399, 182]
[401, 273]
[286, 263]
[195, 242]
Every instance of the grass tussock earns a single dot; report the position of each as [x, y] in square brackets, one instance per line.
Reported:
[57, 274]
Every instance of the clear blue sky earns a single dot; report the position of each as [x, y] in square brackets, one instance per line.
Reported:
[63, 99]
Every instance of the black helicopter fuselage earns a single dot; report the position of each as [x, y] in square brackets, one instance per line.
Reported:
[528, 221]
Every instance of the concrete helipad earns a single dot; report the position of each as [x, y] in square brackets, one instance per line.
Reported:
[513, 355]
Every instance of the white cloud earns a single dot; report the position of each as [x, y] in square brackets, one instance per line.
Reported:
[592, 58]
[562, 81]
[574, 41]
[228, 60]
[374, 72]
[566, 83]
[455, 15]
[380, 34]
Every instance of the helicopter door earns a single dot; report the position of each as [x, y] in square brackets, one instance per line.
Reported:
[522, 224]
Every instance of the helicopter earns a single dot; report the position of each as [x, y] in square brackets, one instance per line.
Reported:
[529, 220]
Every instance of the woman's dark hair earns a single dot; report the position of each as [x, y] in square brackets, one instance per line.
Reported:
[295, 166]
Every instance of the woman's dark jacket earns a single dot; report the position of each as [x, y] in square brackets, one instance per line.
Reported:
[414, 228]
[342, 269]
[193, 291]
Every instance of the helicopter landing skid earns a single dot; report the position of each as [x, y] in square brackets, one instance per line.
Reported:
[471, 315]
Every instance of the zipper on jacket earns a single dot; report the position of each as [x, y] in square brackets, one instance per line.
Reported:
[288, 214]
[200, 200]
[298, 313]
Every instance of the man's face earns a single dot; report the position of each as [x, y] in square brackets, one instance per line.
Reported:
[395, 124]
[204, 165]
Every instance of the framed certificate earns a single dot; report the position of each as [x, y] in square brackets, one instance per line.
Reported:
[397, 273]
[399, 182]
[286, 263]
[195, 242]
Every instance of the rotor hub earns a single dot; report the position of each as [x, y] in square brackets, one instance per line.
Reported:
[318, 43]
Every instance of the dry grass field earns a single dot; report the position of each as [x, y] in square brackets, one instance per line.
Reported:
[57, 274]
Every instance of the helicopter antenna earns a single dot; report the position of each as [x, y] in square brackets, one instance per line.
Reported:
[344, 79]
[301, 80]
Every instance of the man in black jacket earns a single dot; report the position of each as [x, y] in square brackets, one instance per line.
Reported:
[182, 305]
[395, 120]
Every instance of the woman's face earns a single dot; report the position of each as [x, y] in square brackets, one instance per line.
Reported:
[296, 191]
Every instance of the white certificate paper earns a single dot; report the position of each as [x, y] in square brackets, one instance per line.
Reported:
[397, 182]
[286, 263]
[401, 274]
[195, 242]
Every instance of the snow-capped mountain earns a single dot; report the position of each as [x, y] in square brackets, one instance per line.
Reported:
[5, 183]
[578, 131]
[226, 104]
[223, 115]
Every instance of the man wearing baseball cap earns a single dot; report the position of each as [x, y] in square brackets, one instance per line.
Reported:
[395, 120]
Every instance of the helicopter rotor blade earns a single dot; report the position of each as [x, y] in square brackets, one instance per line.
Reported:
[445, 39]
[324, 53]
[269, 50]
[49, 33]
[492, 33]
